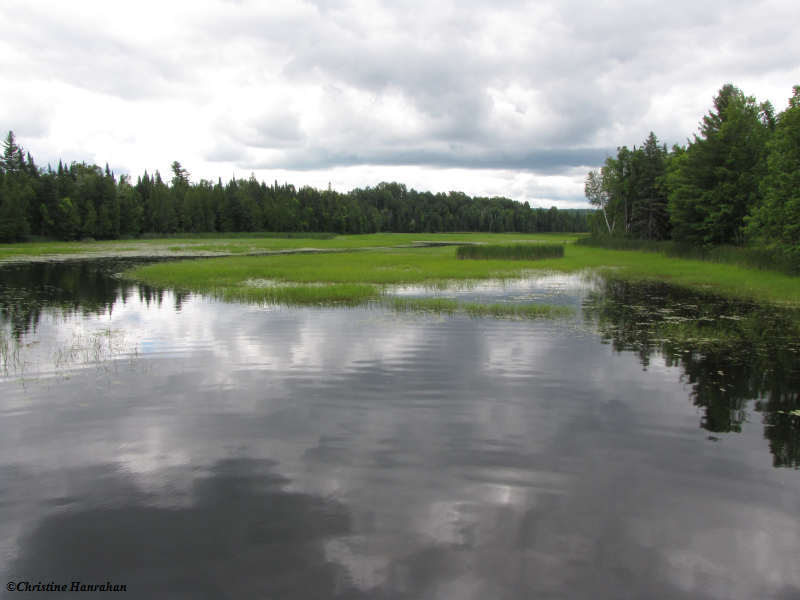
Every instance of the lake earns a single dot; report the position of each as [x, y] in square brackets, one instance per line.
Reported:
[647, 447]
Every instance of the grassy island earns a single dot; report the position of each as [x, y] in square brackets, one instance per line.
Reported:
[369, 263]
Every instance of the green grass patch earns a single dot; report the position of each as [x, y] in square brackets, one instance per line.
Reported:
[286, 235]
[510, 252]
[303, 295]
[478, 309]
[250, 243]
[436, 305]
[750, 257]
[430, 266]
[391, 266]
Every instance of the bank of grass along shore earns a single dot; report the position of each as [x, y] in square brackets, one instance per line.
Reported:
[388, 259]
[228, 277]
[747, 256]
[203, 245]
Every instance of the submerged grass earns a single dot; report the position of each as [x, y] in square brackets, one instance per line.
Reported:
[9, 353]
[510, 252]
[522, 311]
[93, 348]
[101, 349]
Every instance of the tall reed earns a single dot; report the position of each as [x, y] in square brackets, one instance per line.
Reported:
[509, 252]
[751, 257]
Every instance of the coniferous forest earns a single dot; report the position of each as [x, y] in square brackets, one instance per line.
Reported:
[737, 182]
[80, 201]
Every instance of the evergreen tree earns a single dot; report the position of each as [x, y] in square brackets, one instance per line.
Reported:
[180, 187]
[16, 192]
[649, 215]
[68, 220]
[164, 215]
[15, 195]
[717, 183]
[47, 202]
[130, 208]
[776, 221]
[12, 161]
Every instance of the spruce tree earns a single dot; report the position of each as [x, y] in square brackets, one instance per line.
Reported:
[717, 183]
[776, 221]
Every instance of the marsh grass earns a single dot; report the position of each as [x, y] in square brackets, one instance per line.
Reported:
[280, 235]
[250, 243]
[510, 252]
[100, 349]
[302, 295]
[9, 353]
[477, 309]
[437, 266]
[749, 257]
[434, 305]
[520, 311]
[96, 347]
[384, 267]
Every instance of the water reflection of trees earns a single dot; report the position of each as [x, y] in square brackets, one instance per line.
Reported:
[29, 290]
[731, 353]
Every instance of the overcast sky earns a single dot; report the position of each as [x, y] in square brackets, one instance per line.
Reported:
[499, 97]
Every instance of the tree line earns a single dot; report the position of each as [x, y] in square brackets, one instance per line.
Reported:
[736, 182]
[82, 201]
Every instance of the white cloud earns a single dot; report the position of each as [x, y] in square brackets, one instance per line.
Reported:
[505, 98]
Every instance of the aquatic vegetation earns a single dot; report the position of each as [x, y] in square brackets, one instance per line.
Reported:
[331, 294]
[258, 243]
[101, 348]
[522, 311]
[510, 252]
[9, 353]
[478, 309]
[736, 356]
[748, 256]
[428, 265]
[384, 267]
[435, 305]
[343, 278]
[95, 347]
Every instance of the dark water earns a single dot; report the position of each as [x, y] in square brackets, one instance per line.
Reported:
[185, 448]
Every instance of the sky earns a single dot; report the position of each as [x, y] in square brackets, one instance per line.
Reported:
[488, 97]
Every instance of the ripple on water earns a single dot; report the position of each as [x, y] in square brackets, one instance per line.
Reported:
[365, 453]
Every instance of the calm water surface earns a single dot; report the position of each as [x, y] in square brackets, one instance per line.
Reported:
[646, 448]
